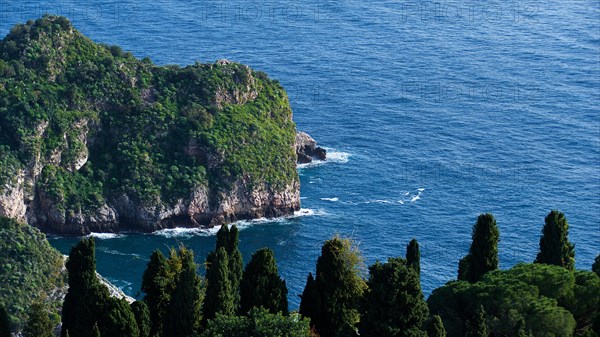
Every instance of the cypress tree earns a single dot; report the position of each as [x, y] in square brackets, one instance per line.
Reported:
[436, 327]
[394, 305]
[261, 285]
[483, 254]
[157, 284]
[413, 256]
[142, 317]
[596, 265]
[183, 317]
[219, 296]
[38, 323]
[310, 301]
[88, 300]
[4, 322]
[236, 264]
[477, 326]
[555, 247]
[341, 288]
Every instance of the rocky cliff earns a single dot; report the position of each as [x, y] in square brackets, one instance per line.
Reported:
[93, 139]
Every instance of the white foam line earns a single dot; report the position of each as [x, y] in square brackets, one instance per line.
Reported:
[241, 224]
[105, 236]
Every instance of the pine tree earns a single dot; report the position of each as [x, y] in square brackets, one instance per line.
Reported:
[4, 322]
[261, 285]
[413, 256]
[436, 327]
[394, 305]
[555, 247]
[118, 320]
[158, 283]
[183, 316]
[340, 287]
[483, 254]
[310, 301]
[38, 324]
[142, 317]
[596, 265]
[477, 326]
[219, 296]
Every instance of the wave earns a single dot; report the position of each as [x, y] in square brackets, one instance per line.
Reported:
[105, 236]
[183, 232]
[116, 252]
[333, 156]
[331, 199]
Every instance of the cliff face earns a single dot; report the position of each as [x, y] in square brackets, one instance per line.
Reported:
[93, 139]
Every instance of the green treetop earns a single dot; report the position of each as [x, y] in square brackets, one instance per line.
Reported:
[413, 256]
[483, 254]
[436, 327]
[262, 286]
[394, 304]
[555, 247]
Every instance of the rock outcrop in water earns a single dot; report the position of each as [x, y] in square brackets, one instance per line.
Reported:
[307, 149]
[94, 140]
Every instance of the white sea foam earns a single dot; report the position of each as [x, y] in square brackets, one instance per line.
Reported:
[415, 198]
[333, 156]
[331, 199]
[105, 236]
[241, 224]
[116, 252]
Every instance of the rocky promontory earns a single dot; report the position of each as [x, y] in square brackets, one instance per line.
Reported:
[93, 139]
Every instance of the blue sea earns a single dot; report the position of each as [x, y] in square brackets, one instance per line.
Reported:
[432, 112]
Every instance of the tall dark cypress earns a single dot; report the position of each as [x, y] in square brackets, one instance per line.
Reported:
[219, 295]
[413, 256]
[555, 247]
[88, 302]
[236, 264]
[483, 254]
[156, 285]
[340, 286]
[310, 301]
[183, 315]
[262, 286]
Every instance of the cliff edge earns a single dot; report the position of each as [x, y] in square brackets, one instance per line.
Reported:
[94, 139]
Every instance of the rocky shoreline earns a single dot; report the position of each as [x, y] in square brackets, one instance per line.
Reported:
[203, 208]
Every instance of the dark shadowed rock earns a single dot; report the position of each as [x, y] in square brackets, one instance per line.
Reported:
[308, 149]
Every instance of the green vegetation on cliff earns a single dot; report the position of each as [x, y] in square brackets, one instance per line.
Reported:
[30, 269]
[152, 132]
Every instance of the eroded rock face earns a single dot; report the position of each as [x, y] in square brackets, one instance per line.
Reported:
[307, 149]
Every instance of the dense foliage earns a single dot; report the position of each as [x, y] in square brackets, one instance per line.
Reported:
[39, 323]
[4, 322]
[555, 247]
[151, 132]
[29, 268]
[258, 323]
